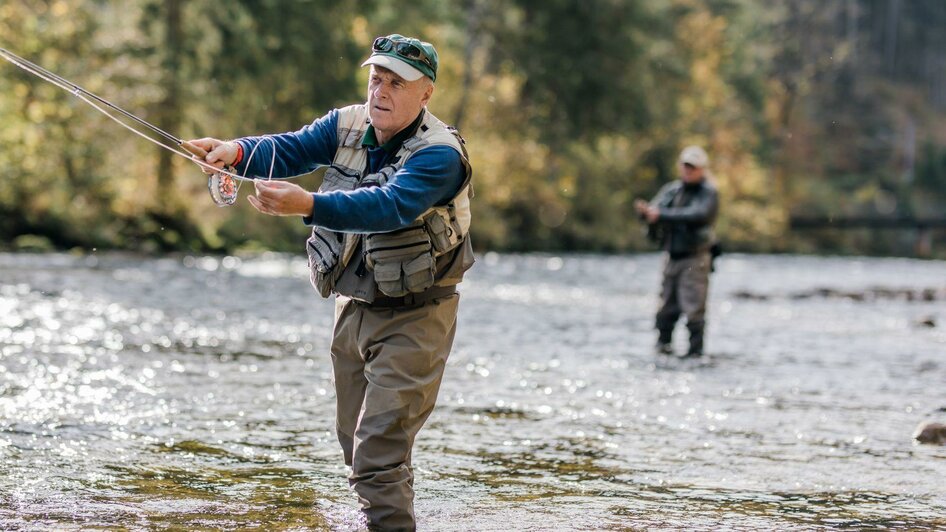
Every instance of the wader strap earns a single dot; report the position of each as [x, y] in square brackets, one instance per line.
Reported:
[410, 300]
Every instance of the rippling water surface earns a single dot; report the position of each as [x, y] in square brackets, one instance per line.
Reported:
[196, 392]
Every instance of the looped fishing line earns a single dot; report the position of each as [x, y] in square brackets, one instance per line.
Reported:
[224, 188]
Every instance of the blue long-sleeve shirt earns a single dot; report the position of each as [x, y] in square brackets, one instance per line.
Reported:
[432, 176]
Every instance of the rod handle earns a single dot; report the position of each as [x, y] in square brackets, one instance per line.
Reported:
[194, 149]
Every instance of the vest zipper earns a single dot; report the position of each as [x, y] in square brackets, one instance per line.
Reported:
[404, 230]
[401, 246]
[344, 173]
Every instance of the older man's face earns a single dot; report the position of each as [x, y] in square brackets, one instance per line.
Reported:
[393, 102]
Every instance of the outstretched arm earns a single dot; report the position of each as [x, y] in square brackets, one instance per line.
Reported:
[701, 210]
[296, 153]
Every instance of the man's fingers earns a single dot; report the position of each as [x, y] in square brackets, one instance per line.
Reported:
[271, 185]
[218, 155]
[201, 149]
[194, 149]
[255, 202]
[206, 144]
[266, 198]
[269, 191]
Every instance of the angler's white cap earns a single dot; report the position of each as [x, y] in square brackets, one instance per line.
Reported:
[694, 155]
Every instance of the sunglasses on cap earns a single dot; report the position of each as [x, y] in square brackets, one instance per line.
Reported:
[403, 49]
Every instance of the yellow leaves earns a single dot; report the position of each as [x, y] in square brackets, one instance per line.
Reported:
[505, 170]
[60, 8]
[36, 112]
[20, 90]
[360, 32]
[567, 185]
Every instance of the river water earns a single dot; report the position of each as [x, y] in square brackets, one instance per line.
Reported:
[196, 393]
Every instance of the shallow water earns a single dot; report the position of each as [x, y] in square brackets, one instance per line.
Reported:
[195, 392]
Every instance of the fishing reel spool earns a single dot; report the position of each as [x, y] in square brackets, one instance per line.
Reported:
[223, 187]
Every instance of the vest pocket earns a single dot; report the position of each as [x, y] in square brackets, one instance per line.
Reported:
[402, 261]
[323, 249]
[443, 230]
[419, 273]
[323, 255]
[388, 278]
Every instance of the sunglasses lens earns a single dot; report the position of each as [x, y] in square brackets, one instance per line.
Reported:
[381, 44]
[408, 50]
[688, 166]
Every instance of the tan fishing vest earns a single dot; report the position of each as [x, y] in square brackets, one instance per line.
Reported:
[433, 250]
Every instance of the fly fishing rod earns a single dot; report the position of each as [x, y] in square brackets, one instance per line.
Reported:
[224, 184]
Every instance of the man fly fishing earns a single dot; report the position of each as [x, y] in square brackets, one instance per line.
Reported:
[390, 239]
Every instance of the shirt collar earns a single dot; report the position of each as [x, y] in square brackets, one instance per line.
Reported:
[370, 140]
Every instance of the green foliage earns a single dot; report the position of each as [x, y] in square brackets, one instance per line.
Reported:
[572, 109]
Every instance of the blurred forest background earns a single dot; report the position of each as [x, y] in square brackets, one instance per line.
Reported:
[571, 109]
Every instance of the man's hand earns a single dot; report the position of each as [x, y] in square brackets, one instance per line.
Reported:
[652, 214]
[649, 212]
[280, 198]
[220, 154]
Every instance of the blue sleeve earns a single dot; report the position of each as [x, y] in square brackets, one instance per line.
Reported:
[432, 176]
[297, 153]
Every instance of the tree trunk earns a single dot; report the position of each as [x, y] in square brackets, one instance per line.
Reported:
[473, 16]
[890, 36]
[170, 113]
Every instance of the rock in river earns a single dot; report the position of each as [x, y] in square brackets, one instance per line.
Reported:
[929, 432]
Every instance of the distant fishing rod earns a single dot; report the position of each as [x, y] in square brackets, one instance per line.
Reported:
[223, 184]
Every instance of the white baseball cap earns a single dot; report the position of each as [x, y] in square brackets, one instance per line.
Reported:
[695, 156]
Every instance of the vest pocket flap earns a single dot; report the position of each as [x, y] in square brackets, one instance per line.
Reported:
[421, 263]
[392, 241]
[389, 279]
[419, 273]
[436, 224]
[387, 272]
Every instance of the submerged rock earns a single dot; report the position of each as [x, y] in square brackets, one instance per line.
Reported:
[929, 432]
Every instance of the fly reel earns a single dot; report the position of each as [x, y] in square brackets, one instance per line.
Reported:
[223, 188]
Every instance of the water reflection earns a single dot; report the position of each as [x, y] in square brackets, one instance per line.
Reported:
[195, 392]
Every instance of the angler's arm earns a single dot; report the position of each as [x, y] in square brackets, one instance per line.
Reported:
[649, 211]
[701, 210]
[297, 152]
[433, 176]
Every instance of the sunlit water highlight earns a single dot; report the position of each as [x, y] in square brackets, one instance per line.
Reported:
[195, 392]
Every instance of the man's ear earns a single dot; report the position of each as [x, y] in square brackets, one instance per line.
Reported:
[428, 92]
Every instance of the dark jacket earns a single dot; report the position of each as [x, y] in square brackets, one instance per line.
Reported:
[687, 215]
